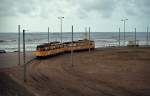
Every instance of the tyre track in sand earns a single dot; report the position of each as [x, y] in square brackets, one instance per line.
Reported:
[100, 86]
[56, 78]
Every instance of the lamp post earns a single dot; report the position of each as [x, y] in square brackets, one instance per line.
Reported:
[61, 19]
[124, 22]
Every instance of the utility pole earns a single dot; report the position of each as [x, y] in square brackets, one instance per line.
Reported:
[119, 37]
[72, 48]
[86, 35]
[48, 34]
[147, 37]
[19, 45]
[89, 39]
[24, 58]
[135, 37]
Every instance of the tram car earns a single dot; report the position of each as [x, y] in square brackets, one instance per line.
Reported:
[79, 45]
[49, 49]
[54, 48]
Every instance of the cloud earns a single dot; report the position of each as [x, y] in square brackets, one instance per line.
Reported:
[78, 8]
[45, 7]
[104, 7]
[137, 10]
[107, 8]
[16, 7]
[137, 7]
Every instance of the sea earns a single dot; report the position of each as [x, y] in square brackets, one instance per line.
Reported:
[9, 41]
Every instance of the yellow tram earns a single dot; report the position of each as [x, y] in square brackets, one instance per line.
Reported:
[54, 48]
[49, 49]
[79, 45]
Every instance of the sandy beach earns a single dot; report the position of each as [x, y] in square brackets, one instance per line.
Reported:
[103, 72]
[10, 59]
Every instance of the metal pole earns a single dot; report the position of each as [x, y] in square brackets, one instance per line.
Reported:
[135, 36]
[124, 32]
[124, 21]
[119, 37]
[24, 57]
[19, 45]
[56, 36]
[89, 39]
[72, 48]
[48, 34]
[86, 37]
[147, 37]
[51, 36]
[61, 28]
[61, 18]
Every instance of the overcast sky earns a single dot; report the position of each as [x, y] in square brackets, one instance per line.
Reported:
[101, 15]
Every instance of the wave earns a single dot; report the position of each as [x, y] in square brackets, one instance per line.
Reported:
[7, 41]
[105, 40]
[33, 40]
[28, 40]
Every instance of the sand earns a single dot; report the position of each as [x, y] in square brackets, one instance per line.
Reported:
[10, 59]
[103, 72]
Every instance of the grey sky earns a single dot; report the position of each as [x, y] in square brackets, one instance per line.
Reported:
[101, 15]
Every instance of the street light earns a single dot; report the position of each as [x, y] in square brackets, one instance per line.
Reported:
[124, 21]
[61, 18]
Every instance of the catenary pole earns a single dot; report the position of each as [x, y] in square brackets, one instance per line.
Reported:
[48, 34]
[119, 37]
[124, 23]
[19, 45]
[24, 57]
[147, 36]
[72, 49]
[61, 27]
[135, 36]
[89, 39]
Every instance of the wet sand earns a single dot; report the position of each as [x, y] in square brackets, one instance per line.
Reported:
[103, 72]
